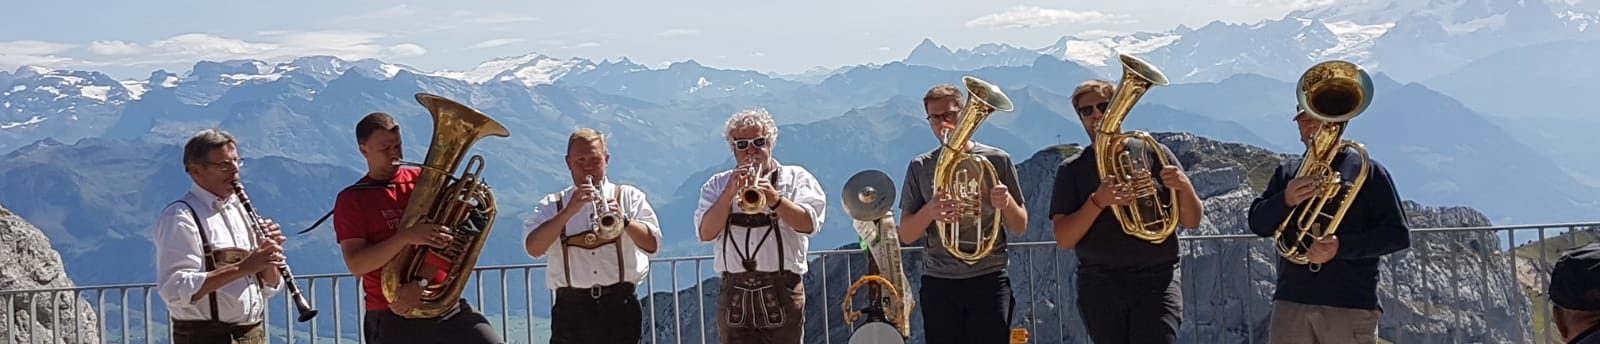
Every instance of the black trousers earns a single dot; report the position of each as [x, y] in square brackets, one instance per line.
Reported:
[465, 326]
[973, 310]
[1131, 306]
[600, 316]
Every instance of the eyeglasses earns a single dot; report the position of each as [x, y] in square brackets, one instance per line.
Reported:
[225, 164]
[1083, 111]
[745, 144]
[942, 116]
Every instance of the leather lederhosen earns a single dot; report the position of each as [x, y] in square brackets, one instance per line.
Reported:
[758, 303]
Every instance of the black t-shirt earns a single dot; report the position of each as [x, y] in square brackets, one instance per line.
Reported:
[1105, 247]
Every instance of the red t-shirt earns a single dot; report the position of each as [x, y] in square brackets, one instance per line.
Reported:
[374, 214]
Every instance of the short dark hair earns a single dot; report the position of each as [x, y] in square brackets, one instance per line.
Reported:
[941, 91]
[202, 143]
[373, 122]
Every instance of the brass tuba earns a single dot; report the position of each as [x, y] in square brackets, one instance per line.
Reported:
[465, 205]
[969, 176]
[1148, 218]
[1333, 92]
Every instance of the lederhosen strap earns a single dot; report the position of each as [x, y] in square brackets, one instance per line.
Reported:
[205, 251]
[566, 256]
[747, 258]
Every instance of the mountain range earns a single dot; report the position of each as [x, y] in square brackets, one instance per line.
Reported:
[80, 142]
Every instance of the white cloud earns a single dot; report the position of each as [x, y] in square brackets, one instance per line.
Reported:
[1285, 4]
[1021, 17]
[388, 13]
[758, 54]
[28, 52]
[275, 45]
[883, 48]
[495, 18]
[588, 44]
[678, 32]
[493, 43]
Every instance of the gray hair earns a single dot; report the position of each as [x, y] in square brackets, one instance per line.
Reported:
[752, 117]
[202, 143]
[756, 117]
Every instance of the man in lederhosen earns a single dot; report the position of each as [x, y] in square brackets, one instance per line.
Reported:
[760, 248]
[594, 275]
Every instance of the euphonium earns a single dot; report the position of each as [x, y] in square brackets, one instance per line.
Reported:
[464, 204]
[1333, 92]
[1148, 218]
[605, 222]
[969, 177]
[751, 199]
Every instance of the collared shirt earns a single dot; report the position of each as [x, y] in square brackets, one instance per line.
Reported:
[794, 184]
[180, 265]
[917, 190]
[597, 267]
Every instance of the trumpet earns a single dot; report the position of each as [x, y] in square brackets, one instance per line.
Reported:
[605, 222]
[1333, 92]
[751, 199]
[300, 303]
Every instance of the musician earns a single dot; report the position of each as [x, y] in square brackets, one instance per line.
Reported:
[1575, 291]
[1129, 290]
[214, 273]
[366, 217]
[761, 256]
[961, 303]
[594, 280]
[1342, 296]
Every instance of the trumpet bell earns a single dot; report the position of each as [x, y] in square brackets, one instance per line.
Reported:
[868, 195]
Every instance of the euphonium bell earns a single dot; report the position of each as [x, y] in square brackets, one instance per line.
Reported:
[1149, 218]
[751, 199]
[1333, 92]
[605, 222]
[464, 204]
[969, 177]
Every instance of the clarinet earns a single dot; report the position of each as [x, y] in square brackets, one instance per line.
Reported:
[300, 304]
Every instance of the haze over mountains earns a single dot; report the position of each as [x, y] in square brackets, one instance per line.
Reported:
[90, 159]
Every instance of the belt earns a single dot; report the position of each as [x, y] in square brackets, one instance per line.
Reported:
[209, 324]
[596, 291]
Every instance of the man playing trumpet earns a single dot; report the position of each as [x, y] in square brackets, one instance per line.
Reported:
[600, 236]
[760, 216]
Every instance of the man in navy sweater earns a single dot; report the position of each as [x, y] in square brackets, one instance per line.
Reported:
[1328, 304]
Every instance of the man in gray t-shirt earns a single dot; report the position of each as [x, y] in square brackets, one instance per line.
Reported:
[960, 302]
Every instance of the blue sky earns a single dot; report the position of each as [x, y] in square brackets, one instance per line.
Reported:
[129, 39]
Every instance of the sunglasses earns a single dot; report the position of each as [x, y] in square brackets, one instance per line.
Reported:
[745, 144]
[1083, 111]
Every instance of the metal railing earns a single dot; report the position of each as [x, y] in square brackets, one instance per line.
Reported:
[1227, 286]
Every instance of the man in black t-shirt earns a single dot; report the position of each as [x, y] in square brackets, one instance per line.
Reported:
[1128, 288]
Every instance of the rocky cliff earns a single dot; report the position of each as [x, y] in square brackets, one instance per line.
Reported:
[27, 262]
[1449, 287]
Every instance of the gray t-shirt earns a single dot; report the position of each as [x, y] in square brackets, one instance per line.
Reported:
[918, 191]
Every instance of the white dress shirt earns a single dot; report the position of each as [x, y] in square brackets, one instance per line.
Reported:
[794, 184]
[597, 267]
[180, 265]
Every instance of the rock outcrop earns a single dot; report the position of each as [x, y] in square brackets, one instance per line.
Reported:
[1449, 287]
[27, 262]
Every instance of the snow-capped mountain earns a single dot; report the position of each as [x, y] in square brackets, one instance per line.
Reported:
[531, 70]
[1410, 40]
[67, 105]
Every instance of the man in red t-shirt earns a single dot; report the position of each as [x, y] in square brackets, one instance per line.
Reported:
[366, 217]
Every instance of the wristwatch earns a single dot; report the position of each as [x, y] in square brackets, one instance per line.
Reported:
[423, 283]
[774, 206]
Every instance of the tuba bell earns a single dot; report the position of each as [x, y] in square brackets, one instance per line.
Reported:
[1333, 92]
[968, 177]
[464, 204]
[1148, 218]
